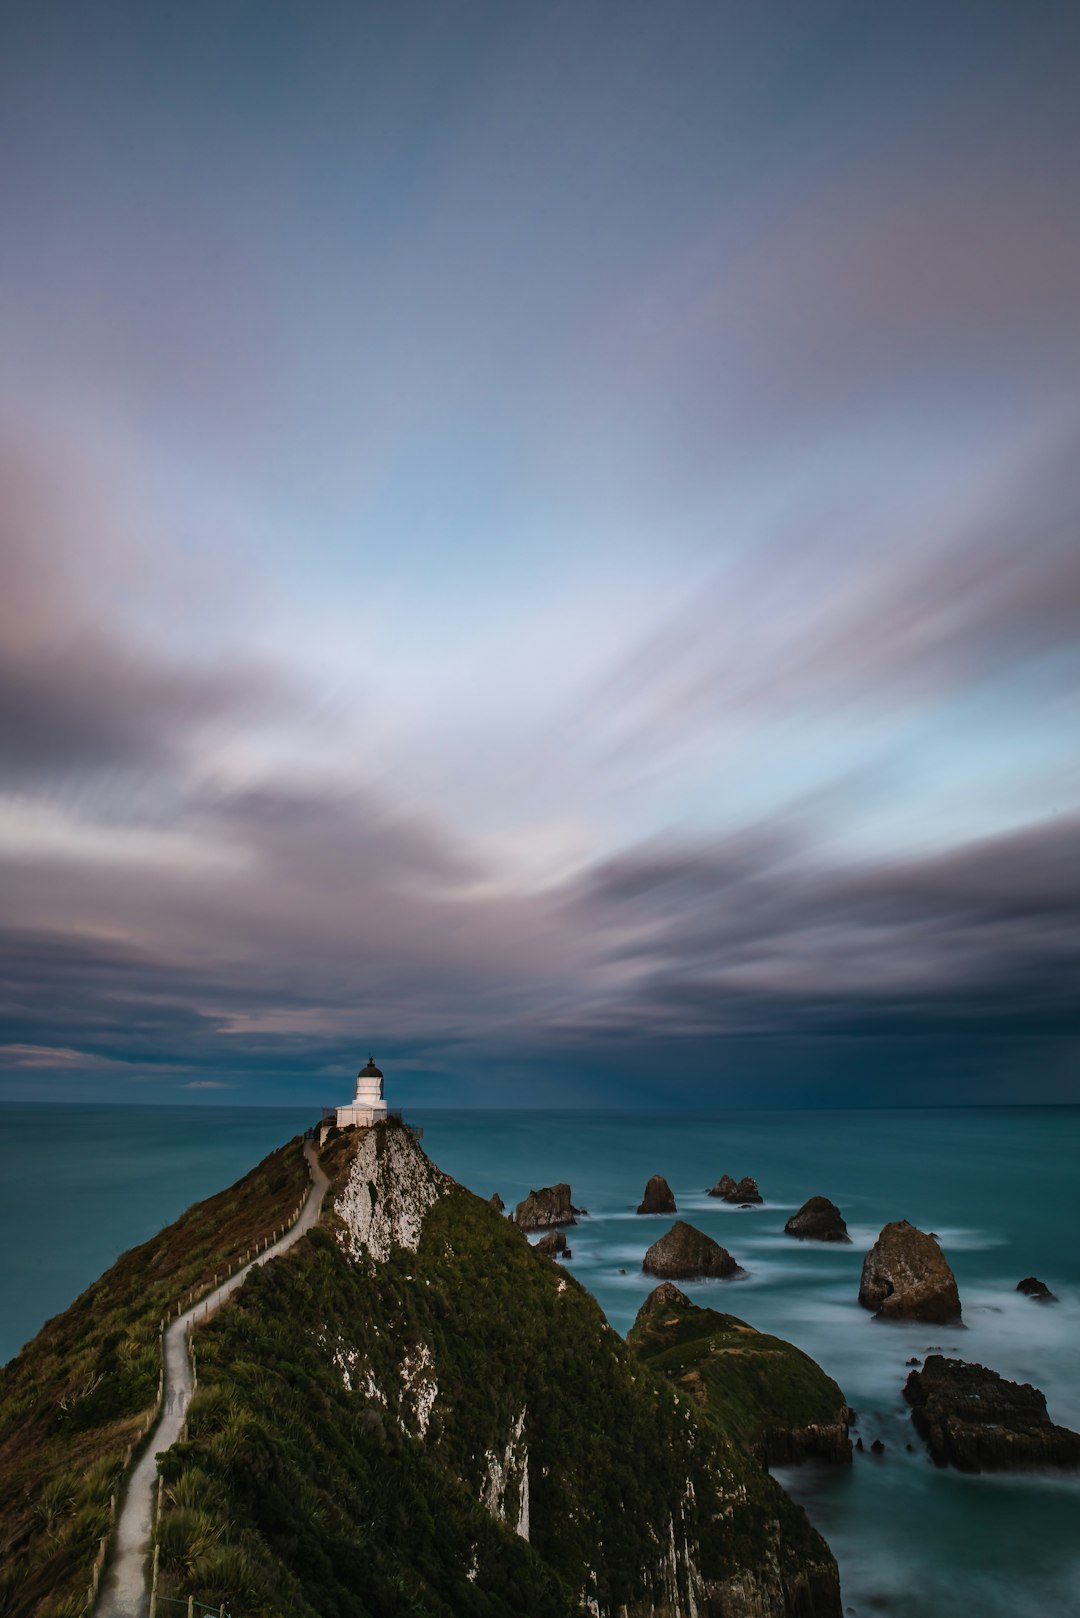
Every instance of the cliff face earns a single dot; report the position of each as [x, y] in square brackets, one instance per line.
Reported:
[415, 1412]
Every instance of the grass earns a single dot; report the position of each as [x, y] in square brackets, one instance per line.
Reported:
[75, 1399]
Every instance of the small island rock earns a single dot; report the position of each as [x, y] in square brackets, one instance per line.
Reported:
[906, 1276]
[1032, 1287]
[744, 1191]
[658, 1198]
[544, 1209]
[554, 1245]
[971, 1418]
[818, 1220]
[686, 1252]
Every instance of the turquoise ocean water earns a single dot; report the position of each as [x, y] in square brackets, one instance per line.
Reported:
[1001, 1187]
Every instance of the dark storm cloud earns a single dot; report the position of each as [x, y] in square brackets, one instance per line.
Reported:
[751, 938]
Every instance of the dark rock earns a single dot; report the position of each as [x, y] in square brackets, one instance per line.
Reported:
[553, 1244]
[1034, 1288]
[906, 1276]
[912, 1361]
[685, 1252]
[543, 1210]
[497, 1202]
[620, 1272]
[818, 1220]
[877, 1447]
[658, 1198]
[910, 1448]
[971, 1418]
[859, 1444]
[745, 1191]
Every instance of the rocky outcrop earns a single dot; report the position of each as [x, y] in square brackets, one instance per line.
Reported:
[818, 1220]
[685, 1253]
[906, 1276]
[497, 1202]
[544, 1209]
[389, 1189]
[658, 1198]
[764, 1393]
[554, 1245]
[971, 1418]
[736, 1191]
[1032, 1287]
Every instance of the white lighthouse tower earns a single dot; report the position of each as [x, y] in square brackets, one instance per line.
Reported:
[368, 1106]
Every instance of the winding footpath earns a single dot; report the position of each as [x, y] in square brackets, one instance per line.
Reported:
[124, 1592]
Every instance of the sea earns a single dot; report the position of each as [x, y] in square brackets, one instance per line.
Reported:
[999, 1186]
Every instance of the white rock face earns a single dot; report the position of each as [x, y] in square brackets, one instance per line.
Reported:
[390, 1188]
[419, 1385]
[511, 1466]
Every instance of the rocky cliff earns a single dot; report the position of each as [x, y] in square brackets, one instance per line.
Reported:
[415, 1411]
[411, 1412]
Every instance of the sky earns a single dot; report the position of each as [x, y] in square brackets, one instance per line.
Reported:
[540, 542]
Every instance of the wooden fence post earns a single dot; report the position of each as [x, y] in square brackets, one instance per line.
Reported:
[191, 1607]
[153, 1583]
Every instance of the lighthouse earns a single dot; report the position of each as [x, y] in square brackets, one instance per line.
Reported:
[367, 1106]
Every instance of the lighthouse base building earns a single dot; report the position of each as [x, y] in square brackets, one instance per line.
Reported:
[368, 1105]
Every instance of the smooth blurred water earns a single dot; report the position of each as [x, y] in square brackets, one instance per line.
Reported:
[1001, 1188]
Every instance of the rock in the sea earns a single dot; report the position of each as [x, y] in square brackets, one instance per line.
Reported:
[906, 1276]
[971, 1418]
[877, 1447]
[544, 1209]
[766, 1394]
[553, 1244]
[685, 1252]
[497, 1202]
[1034, 1288]
[658, 1197]
[818, 1220]
[744, 1191]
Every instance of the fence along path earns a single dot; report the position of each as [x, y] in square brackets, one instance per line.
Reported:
[123, 1592]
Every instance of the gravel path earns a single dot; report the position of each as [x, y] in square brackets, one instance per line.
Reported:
[124, 1589]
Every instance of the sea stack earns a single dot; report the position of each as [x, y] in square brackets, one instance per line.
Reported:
[658, 1198]
[818, 1220]
[544, 1209]
[686, 1253]
[906, 1276]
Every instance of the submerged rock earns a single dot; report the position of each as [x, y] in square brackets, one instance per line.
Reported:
[685, 1252]
[818, 1220]
[971, 1418]
[544, 1209]
[553, 1244]
[906, 1276]
[764, 1393]
[1032, 1287]
[658, 1198]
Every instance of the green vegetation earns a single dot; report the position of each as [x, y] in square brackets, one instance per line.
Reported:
[761, 1393]
[310, 1485]
[75, 1400]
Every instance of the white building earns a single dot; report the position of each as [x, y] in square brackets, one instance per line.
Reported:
[368, 1106]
